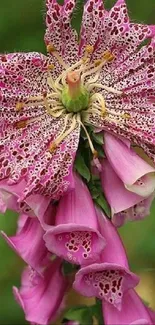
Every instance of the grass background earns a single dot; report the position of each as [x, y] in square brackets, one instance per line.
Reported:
[22, 29]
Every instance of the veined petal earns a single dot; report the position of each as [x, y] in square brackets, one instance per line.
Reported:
[75, 236]
[136, 174]
[29, 244]
[59, 32]
[133, 311]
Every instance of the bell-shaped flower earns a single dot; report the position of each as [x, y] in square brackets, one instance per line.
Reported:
[75, 236]
[133, 311]
[125, 205]
[135, 173]
[29, 243]
[110, 278]
[42, 298]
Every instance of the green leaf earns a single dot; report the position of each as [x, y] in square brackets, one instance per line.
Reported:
[81, 314]
[97, 312]
[81, 167]
[102, 203]
[98, 138]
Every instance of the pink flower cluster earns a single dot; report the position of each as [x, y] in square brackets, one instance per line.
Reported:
[39, 137]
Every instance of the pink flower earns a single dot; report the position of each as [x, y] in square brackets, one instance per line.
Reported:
[111, 278]
[133, 311]
[75, 236]
[42, 298]
[105, 81]
[29, 243]
[127, 180]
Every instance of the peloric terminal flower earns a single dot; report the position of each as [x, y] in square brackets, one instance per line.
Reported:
[46, 100]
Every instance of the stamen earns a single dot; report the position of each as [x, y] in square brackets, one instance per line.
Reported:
[89, 49]
[63, 133]
[107, 57]
[94, 152]
[100, 99]
[106, 88]
[52, 50]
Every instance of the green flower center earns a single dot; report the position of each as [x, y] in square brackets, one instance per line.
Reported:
[74, 96]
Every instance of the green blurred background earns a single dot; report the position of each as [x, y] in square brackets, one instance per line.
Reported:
[22, 29]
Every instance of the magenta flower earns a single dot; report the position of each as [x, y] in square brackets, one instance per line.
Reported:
[42, 298]
[29, 243]
[75, 236]
[45, 100]
[111, 278]
[133, 311]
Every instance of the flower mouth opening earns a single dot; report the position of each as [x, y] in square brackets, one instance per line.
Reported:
[76, 246]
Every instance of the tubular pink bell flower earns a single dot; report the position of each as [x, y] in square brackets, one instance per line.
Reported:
[42, 298]
[125, 205]
[29, 243]
[75, 236]
[135, 173]
[105, 80]
[133, 311]
[111, 278]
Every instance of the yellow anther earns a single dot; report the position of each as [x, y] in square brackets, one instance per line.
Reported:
[50, 66]
[89, 49]
[50, 48]
[52, 147]
[108, 56]
[97, 62]
[19, 106]
[126, 116]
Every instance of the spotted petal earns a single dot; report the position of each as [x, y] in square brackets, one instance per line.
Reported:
[59, 32]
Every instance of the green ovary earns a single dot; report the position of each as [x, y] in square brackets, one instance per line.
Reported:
[76, 103]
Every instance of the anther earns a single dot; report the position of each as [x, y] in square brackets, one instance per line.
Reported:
[89, 49]
[108, 56]
[52, 147]
[21, 124]
[126, 116]
[50, 48]
[50, 67]
[19, 106]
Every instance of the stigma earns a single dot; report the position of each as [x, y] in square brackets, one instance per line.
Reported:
[75, 96]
